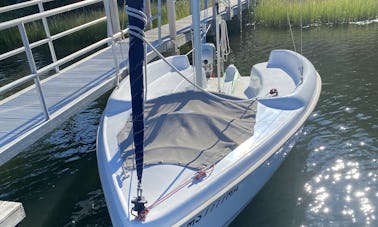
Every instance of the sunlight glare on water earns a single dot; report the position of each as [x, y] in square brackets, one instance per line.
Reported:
[332, 171]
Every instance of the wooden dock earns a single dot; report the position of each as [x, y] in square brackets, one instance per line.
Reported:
[11, 213]
[22, 119]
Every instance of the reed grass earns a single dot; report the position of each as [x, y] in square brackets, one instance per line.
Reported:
[274, 13]
[10, 38]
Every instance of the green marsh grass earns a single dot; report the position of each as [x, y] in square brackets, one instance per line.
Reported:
[274, 13]
[10, 38]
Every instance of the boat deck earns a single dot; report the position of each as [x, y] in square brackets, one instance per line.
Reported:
[22, 118]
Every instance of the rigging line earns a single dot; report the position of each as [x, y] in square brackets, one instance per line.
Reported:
[203, 37]
[299, 62]
[291, 31]
[205, 33]
[205, 13]
[122, 47]
[198, 176]
[300, 2]
[183, 76]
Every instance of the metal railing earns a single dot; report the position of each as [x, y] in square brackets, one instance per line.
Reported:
[158, 17]
[114, 33]
[111, 12]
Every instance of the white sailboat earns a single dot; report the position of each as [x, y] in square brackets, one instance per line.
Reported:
[207, 148]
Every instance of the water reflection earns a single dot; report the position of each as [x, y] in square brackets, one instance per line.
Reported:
[341, 189]
[333, 168]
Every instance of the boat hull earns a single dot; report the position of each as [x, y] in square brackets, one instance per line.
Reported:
[225, 208]
[234, 181]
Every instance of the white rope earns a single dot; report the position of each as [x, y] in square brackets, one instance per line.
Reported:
[224, 41]
[136, 31]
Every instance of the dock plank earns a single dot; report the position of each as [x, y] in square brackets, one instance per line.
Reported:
[11, 213]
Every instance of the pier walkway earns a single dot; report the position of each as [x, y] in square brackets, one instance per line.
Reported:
[22, 119]
[11, 213]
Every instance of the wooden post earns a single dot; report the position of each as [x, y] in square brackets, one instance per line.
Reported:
[172, 23]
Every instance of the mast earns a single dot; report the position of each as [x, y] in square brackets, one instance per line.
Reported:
[195, 5]
[137, 21]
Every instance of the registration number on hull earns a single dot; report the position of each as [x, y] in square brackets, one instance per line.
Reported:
[213, 207]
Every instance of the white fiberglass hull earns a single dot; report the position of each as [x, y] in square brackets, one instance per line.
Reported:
[234, 180]
[222, 210]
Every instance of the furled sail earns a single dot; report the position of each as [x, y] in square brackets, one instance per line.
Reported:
[136, 59]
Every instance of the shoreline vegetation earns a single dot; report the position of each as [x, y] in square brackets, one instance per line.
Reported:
[275, 13]
[269, 13]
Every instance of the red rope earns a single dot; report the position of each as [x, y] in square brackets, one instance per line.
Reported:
[141, 215]
[200, 174]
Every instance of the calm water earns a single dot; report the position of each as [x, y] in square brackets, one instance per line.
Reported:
[329, 179]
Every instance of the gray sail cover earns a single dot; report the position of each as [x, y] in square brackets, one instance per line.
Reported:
[191, 129]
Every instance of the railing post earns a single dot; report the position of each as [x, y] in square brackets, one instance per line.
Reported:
[205, 10]
[33, 68]
[159, 21]
[196, 23]
[172, 22]
[219, 58]
[112, 19]
[215, 13]
[112, 16]
[228, 11]
[115, 16]
[147, 11]
[48, 36]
